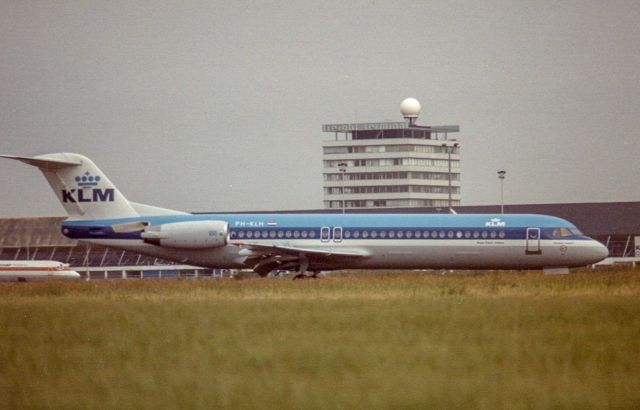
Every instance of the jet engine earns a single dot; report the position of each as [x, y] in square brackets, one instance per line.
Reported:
[188, 235]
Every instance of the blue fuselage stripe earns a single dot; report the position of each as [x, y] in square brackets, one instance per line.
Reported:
[361, 226]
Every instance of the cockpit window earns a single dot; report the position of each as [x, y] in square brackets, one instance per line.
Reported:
[564, 232]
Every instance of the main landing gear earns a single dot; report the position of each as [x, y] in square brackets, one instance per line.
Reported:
[304, 265]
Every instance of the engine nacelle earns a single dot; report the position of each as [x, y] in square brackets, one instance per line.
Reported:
[189, 235]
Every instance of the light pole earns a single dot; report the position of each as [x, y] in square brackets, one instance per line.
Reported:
[342, 167]
[450, 149]
[501, 174]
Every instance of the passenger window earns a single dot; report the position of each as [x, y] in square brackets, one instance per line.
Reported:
[476, 234]
[312, 234]
[392, 234]
[501, 234]
[459, 234]
[365, 234]
[304, 234]
[417, 234]
[400, 234]
[280, 234]
[241, 234]
[288, 234]
[467, 234]
[493, 234]
[374, 234]
[347, 234]
[356, 234]
[485, 234]
[272, 234]
[441, 234]
[383, 234]
[249, 234]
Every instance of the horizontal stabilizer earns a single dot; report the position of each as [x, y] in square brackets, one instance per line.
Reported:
[44, 163]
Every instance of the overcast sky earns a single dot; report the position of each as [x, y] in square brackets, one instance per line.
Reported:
[218, 105]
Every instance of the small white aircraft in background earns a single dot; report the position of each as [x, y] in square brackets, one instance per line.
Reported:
[31, 271]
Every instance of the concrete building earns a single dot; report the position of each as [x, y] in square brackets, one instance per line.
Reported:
[391, 164]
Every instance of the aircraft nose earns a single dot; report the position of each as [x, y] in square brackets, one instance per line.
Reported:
[602, 251]
[598, 251]
[72, 275]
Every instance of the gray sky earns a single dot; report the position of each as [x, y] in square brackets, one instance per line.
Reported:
[218, 105]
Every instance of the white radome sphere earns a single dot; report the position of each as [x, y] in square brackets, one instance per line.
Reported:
[410, 108]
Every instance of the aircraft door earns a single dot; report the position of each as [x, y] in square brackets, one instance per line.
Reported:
[533, 241]
[324, 234]
[337, 234]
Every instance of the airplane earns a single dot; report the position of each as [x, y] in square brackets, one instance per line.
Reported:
[98, 213]
[30, 271]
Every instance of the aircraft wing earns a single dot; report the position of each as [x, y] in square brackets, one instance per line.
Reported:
[265, 258]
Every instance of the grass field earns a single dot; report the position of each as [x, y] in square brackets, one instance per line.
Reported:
[383, 340]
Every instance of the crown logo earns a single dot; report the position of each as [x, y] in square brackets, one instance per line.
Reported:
[87, 180]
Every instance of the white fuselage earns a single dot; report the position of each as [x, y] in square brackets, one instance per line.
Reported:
[30, 271]
[376, 241]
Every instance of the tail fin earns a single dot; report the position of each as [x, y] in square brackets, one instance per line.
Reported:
[84, 191]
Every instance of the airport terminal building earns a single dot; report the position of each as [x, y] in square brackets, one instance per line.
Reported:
[391, 164]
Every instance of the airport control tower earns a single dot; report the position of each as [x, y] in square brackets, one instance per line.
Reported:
[391, 164]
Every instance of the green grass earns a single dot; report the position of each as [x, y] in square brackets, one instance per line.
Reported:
[385, 340]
